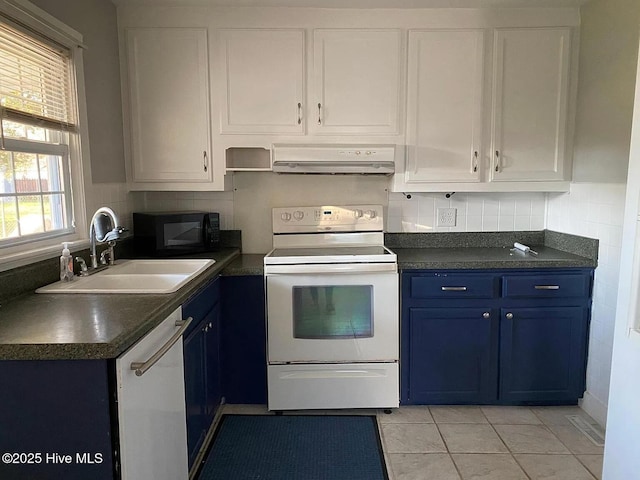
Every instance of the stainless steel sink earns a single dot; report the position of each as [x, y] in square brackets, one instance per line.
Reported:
[134, 276]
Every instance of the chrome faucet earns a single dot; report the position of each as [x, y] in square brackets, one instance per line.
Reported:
[108, 232]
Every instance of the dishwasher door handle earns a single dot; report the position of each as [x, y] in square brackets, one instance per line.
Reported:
[142, 367]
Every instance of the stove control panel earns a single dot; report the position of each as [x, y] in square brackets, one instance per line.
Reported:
[328, 218]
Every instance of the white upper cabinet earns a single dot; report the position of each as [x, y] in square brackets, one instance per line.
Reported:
[529, 104]
[444, 106]
[262, 81]
[356, 81]
[168, 94]
[482, 120]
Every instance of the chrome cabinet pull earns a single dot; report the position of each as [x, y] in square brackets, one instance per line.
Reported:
[486, 315]
[497, 160]
[475, 161]
[142, 367]
[509, 316]
[454, 289]
[206, 161]
[319, 117]
[299, 113]
[547, 287]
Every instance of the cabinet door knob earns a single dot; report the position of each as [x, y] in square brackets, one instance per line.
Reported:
[319, 117]
[486, 315]
[475, 161]
[509, 315]
[299, 113]
[206, 162]
[497, 160]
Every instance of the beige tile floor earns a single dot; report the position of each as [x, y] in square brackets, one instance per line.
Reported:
[479, 443]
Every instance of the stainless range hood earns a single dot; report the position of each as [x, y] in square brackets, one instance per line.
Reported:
[332, 159]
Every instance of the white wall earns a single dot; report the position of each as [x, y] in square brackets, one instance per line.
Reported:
[595, 210]
[595, 205]
[621, 459]
[97, 22]
[608, 52]
[255, 194]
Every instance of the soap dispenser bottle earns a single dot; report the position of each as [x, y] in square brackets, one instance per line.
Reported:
[66, 264]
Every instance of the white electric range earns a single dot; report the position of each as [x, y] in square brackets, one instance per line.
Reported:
[332, 310]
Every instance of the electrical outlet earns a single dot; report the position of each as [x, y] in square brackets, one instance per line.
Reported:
[446, 217]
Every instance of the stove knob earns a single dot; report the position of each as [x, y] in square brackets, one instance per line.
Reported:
[298, 215]
[286, 216]
[371, 214]
[357, 213]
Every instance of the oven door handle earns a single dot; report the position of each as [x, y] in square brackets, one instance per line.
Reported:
[331, 268]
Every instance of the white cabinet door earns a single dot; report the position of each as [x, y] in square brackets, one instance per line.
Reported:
[168, 82]
[444, 106]
[529, 111]
[262, 81]
[356, 81]
[151, 407]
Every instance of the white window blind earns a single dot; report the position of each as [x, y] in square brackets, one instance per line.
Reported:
[36, 85]
[37, 119]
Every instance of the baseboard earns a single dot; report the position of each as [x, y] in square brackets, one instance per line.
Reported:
[595, 408]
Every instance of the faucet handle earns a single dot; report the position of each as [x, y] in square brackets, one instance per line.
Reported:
[103, 256]
[83, 265]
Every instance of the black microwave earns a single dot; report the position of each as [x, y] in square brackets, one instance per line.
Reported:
[162, 234]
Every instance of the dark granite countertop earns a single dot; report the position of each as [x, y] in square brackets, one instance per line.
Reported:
[245, 264]
[89, 326]
[486, 258]
[491, 250]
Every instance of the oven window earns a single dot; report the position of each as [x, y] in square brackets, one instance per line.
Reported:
[182, 234]
[334, 311]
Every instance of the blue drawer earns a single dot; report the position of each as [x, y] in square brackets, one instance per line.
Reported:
[443, 285]
[546, 286]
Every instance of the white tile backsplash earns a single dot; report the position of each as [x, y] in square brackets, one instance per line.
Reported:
[596, 210]
[476, 212]
[221, 202]
[114, 196]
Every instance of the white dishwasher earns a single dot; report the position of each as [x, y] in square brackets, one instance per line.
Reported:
[151, 404]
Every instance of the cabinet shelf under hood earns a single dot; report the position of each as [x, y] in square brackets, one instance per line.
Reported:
[334, 159]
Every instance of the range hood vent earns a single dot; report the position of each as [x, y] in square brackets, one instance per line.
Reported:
[332, 159]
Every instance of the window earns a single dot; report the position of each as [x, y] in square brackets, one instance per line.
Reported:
[333, 311]
[41, 182]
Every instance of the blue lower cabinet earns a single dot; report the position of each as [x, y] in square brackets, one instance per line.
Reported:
[194, 381]
[202, 365]
[244, 338]
[452, 355]
[495, 336]
[543, 354]
[55, 420]
[213, 372]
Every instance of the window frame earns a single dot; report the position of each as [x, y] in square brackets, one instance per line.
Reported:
[42, 148]
[22, 12]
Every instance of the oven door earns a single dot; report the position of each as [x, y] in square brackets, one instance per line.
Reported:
[332, 313]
